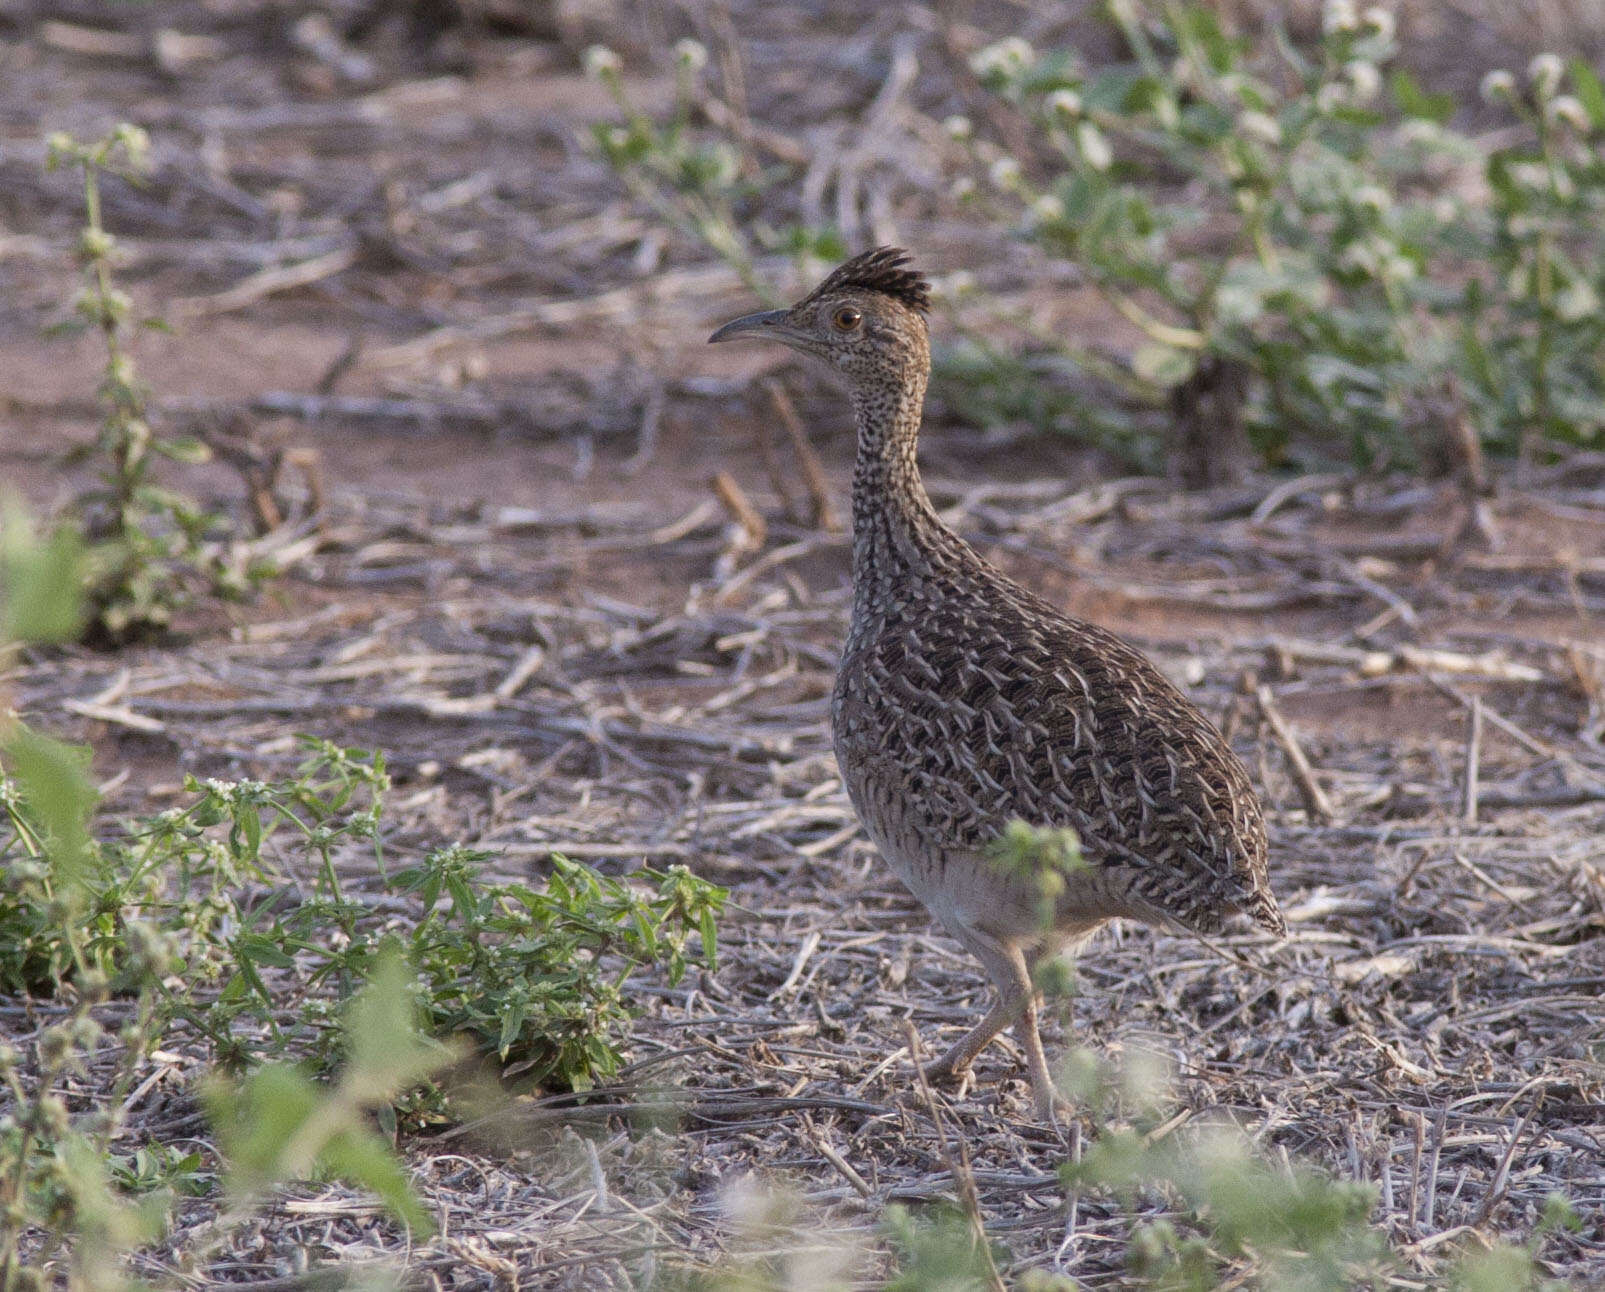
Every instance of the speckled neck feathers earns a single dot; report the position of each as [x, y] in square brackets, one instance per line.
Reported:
[896, 532]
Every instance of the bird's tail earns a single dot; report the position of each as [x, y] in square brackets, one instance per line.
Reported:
[1260, 906]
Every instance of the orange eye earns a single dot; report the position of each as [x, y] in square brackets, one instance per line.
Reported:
[846, 318]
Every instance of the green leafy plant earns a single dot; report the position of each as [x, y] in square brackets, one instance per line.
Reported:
[1517, 1267]
[1239, 216]
[1233, 1217]
[54, 1177]
[61, 1187]
[698, 182]
[536, 975]
[149, 544]
[1532, 343]
[191, 918]
[279, 1124]
[1296, 252]
[935, 1250]
[1042, 858]
[1302, 1228]
[1290, 1225]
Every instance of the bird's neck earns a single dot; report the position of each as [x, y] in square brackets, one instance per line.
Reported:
[895, 529]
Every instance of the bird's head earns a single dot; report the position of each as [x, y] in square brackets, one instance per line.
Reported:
[866, 318]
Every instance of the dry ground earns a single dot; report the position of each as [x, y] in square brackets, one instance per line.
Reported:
[523, 589]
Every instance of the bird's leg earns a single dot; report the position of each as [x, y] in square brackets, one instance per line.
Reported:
[1044, 1094]
[962, 1053]
[1006, 966]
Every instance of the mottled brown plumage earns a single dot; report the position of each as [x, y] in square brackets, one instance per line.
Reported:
[964, 702]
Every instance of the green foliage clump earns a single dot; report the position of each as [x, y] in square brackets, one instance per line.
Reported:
[218, 913]
[1267, 212]
[538, 975]
[1534, 332]
[936, 1250]
[70, 1205]
[1305, 1229]
[279, 1124]
[1040, 857]
[1232, 1208]
[1232, 213]
[535, 975]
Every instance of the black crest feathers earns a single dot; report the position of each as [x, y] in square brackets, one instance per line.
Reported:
[883, 270]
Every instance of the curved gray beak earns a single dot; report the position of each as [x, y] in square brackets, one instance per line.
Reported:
[770, 324]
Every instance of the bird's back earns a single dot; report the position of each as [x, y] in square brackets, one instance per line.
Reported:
[964, 702]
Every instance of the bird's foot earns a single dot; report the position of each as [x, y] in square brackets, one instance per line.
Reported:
[1050, 1107]
[942, 1073]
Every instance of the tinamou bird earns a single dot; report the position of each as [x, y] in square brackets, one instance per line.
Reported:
[965, 703]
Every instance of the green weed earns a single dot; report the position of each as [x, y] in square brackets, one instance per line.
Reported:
[227, 916]
[698, 183]
[242, 886]
[1289, 224]
[149, 544]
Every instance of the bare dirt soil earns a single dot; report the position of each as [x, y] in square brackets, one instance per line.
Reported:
[522, 586]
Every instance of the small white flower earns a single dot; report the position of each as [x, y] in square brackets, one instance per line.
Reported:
[958, 127]
[1065, 102]
[1365, 79]
[723, 164]
[617, 136]
[1496, 85]
[692, 54]
[1577, 301]
[1357, 255]
[1399, 268]
[1338, 15]
[135, 142]
[600, 61]
[1445, 210]
[962, 188]
[958, 282]
[1047, 209]
[1095, 150]
[1566, 109]
[1004, 172]
[1372, 196]
[1005, 57]
[987, 62]
[1545, 72]
[1530, 175]
[1261, 126]
[1381, 21]
[1331, 96]
[1419, 132]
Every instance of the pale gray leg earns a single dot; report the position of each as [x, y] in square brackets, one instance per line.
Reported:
[1005, 965]
[1044, 1093]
